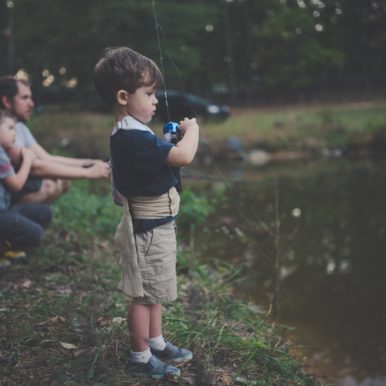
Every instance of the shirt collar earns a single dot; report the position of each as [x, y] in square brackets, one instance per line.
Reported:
[129, 123]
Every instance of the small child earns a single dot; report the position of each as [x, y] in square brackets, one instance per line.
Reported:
[145, 175]
[21, 226]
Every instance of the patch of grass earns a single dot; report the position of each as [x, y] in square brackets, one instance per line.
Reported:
[312, 128]
[73, 132]
[62, 320]
[308, 127]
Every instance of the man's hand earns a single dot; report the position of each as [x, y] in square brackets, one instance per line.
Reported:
[90, 162]
[99, 170]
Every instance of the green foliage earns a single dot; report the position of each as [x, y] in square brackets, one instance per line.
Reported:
[194, 209]
[290, 52]
[273, 43]
[86, 213]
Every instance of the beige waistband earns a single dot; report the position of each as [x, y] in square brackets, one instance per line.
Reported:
[155, 207]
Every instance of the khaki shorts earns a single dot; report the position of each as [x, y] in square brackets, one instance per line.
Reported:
[156, 252]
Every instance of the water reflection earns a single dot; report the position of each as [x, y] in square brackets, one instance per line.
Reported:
[332, 249]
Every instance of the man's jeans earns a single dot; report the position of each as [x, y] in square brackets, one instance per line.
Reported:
[23, 224]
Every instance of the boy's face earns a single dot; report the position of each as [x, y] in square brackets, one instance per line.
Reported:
[7, 133]
[142, 104]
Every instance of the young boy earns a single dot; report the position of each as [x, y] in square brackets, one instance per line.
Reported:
[145, 177]
[21, 226]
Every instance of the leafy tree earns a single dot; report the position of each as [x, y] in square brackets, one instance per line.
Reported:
[54, 34]
[242, 47]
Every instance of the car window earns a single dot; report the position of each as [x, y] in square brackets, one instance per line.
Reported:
[198, 100]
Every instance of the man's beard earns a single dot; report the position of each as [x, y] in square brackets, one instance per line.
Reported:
[18, 116]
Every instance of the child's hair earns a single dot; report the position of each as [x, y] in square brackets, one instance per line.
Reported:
[9, 87]
[5, 114]
[124, 69]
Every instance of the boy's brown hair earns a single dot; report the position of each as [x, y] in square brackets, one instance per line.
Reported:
[124, 69]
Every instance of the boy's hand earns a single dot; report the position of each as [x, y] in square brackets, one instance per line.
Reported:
[15, 155]
[183, 152]
[188, 124]
[27, 154]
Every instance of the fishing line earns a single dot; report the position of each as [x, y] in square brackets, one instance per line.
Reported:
[250, 223]
[160, 31]
[161, 58]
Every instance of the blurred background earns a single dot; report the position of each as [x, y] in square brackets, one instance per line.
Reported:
[235, 51]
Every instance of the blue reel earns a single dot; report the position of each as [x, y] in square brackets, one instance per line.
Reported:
[172, 132]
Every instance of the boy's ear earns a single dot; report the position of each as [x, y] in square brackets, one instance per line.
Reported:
[122, 97]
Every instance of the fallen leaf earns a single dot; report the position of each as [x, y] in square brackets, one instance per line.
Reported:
[26, 283]
[103, 321]
[68, 346]
[118, 320]
[55, 319]
[224, 378]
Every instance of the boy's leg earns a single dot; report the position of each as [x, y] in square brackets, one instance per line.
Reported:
[142, 362]
[155, 327]
[164, 350]
[138, 321]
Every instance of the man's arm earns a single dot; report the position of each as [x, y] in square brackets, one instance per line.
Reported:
[183, 153]
[69, 161]
[47, 168]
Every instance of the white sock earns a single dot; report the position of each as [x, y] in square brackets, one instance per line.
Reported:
[141, 356]
[157, 343]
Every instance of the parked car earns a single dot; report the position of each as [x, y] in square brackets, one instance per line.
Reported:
[187, 105]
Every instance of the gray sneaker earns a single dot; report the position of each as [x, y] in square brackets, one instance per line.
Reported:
[173, 354]
[154, 368]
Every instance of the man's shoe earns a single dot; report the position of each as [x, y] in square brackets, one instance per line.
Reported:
[13, 254]
[9, 253]
[154, 368]
[173, 354]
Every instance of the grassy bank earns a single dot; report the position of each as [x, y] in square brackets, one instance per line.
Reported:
[63, 321]
[349, 127]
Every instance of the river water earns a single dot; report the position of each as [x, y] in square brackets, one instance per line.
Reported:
[324, 221]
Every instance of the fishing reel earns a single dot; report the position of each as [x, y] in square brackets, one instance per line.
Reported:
[172, 132]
